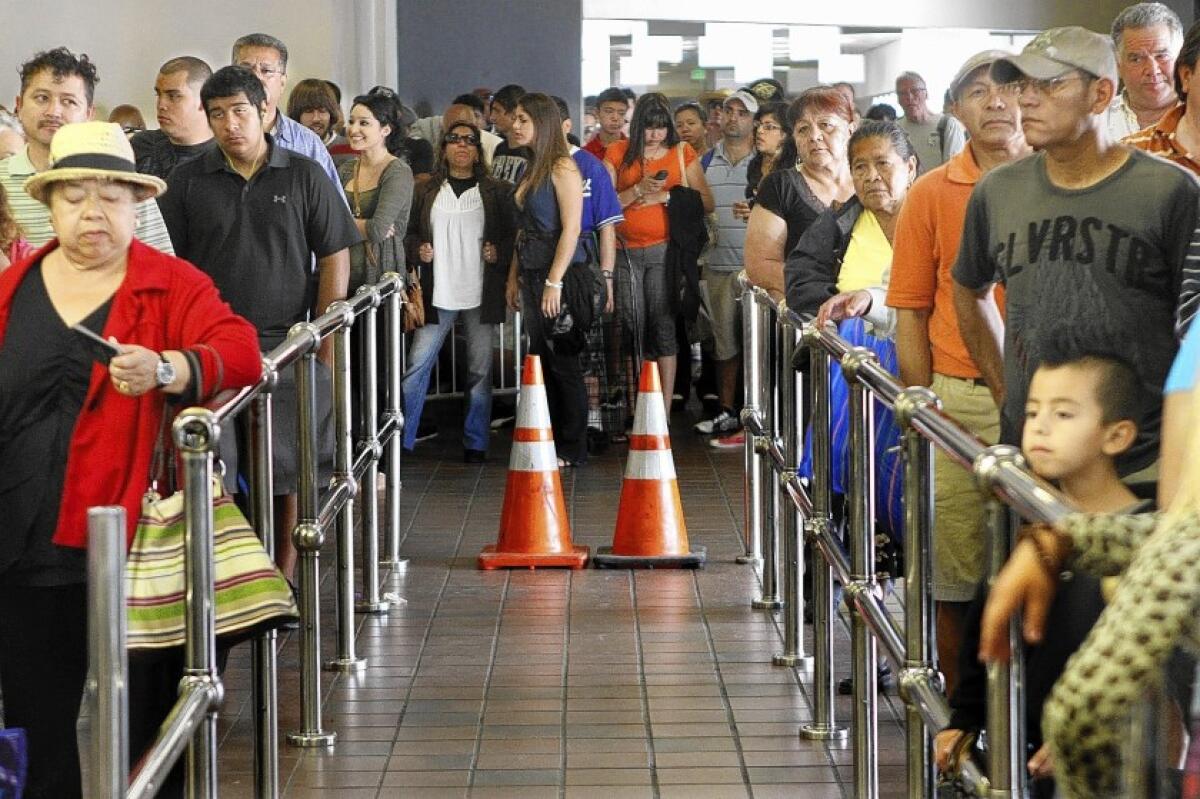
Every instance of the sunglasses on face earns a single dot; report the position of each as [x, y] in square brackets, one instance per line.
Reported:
[461, 138]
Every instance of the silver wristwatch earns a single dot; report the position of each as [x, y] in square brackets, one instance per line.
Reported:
[164, 374]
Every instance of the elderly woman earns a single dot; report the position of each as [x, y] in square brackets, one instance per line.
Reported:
[78, 430]
[838, 272]
[814, 175]
[461, 233]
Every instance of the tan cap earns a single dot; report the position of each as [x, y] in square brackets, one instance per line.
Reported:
[1057, 51]
[975, 62]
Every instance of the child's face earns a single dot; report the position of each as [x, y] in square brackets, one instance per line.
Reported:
[1065, 432]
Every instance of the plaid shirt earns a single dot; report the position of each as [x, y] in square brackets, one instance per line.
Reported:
[1160, 139]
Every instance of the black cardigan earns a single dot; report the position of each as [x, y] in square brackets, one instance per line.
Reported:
[811, 270]
[498, 228]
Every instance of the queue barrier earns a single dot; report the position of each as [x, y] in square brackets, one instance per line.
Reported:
[782, 512]
[191, 725]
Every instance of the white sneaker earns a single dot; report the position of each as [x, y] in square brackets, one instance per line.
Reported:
[722, 422]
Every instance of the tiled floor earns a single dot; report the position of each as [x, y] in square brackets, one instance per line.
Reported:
[559, 683]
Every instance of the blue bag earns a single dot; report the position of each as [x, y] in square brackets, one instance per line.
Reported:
[14, 763]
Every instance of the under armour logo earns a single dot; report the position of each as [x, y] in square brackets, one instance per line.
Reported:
[281, 198]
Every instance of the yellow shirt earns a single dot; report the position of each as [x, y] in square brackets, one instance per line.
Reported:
[868, 258]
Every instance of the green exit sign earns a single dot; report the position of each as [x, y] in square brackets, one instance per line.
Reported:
[699, 74]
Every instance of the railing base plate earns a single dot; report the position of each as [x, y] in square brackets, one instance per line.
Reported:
[752, 560]
[821, 732]
[399, 564]
[312, 740]
[766, 603]
[346, 665]
[374, 608]
[793, 661]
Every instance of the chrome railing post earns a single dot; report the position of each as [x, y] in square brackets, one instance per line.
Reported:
[196, 435]
[751, 375]
[108, 667]
[346, 660]
[768, 413]
[308, 537]
[264, 665]
[863, 647]
[368, 367]
[394, 413]
[919, 627]
[824, 726]
[791, 424]
[1006, 681]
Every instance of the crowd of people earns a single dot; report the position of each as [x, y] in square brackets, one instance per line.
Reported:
[1031, 254]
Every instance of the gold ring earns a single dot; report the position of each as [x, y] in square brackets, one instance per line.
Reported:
[123, 386]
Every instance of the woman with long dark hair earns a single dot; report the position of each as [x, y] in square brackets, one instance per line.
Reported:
[379, 188]
[644, 169]
[461, 235]
[549, 271]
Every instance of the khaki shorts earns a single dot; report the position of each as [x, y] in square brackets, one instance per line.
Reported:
[960, 548]
[726, 311]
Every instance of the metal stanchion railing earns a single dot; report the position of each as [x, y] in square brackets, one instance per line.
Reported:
[108, 668]
[791, 424]
[264, 689]
[762, 427]
[751, 377]
[861, 507]
[309, 537]
[339, 502]
[911, 648]
[919, 627]
[393, 424]
[368, 445]
[824, 725]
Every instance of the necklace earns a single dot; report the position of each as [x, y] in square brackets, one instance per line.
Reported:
[254, 165]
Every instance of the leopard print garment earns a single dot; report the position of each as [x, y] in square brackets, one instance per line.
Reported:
[1154, 609]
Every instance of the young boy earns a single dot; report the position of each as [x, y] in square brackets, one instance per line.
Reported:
[1078, 418]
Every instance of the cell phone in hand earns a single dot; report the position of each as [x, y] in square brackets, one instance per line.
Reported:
[102, 350]
[660, 174]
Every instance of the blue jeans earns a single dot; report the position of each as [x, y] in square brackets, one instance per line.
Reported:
[427, 343]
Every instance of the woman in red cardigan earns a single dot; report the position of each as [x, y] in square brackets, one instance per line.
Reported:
[78, 429]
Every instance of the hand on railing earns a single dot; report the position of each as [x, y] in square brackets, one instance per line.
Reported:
[1026, 584]
[847, 305]
[1041, 765]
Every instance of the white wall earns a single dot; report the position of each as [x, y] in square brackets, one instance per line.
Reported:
[351, 42]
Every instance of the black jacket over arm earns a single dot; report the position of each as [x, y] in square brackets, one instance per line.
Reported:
[498, 228]
[812, 267]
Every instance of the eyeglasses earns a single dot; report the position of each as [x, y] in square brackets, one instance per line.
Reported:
[769, 127]
[1044, 87]
[461, 138]
[262, 70]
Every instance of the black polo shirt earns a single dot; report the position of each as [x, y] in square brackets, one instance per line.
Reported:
[257, 238]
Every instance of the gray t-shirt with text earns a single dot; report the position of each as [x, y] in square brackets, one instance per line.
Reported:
[1100, 269]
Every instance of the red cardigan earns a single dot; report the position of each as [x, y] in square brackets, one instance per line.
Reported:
[164, 303]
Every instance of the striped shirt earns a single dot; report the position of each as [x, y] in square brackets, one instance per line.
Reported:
[1160, 139]
[727, 181]
[34, 218]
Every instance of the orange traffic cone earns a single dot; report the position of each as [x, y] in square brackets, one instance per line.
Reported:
[534, 527]
[650, 529]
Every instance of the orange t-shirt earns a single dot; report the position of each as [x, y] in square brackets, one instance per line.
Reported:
[928, 234]
[646, 225]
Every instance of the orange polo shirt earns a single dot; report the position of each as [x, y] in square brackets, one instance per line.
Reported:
[1161, 140]
[927, 238]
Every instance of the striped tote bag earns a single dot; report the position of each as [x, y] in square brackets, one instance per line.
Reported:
[251, 594]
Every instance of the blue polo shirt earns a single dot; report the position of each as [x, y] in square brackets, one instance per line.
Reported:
[600, 204]
[291, 135]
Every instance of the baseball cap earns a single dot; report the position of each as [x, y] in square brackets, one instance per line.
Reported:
[745, 98]
[1057, 51]
[977, 61]
[767, 90]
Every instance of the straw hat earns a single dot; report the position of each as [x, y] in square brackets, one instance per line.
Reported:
[93, 150]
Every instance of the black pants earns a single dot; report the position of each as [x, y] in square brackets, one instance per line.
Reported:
[43, 666]
[561, 369]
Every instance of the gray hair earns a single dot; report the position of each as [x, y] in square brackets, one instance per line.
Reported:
[910, 75]
[261, 40]
[9, 120]
[1146, 15]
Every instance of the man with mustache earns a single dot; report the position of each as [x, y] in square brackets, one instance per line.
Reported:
[183, 132]
[58, 87]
